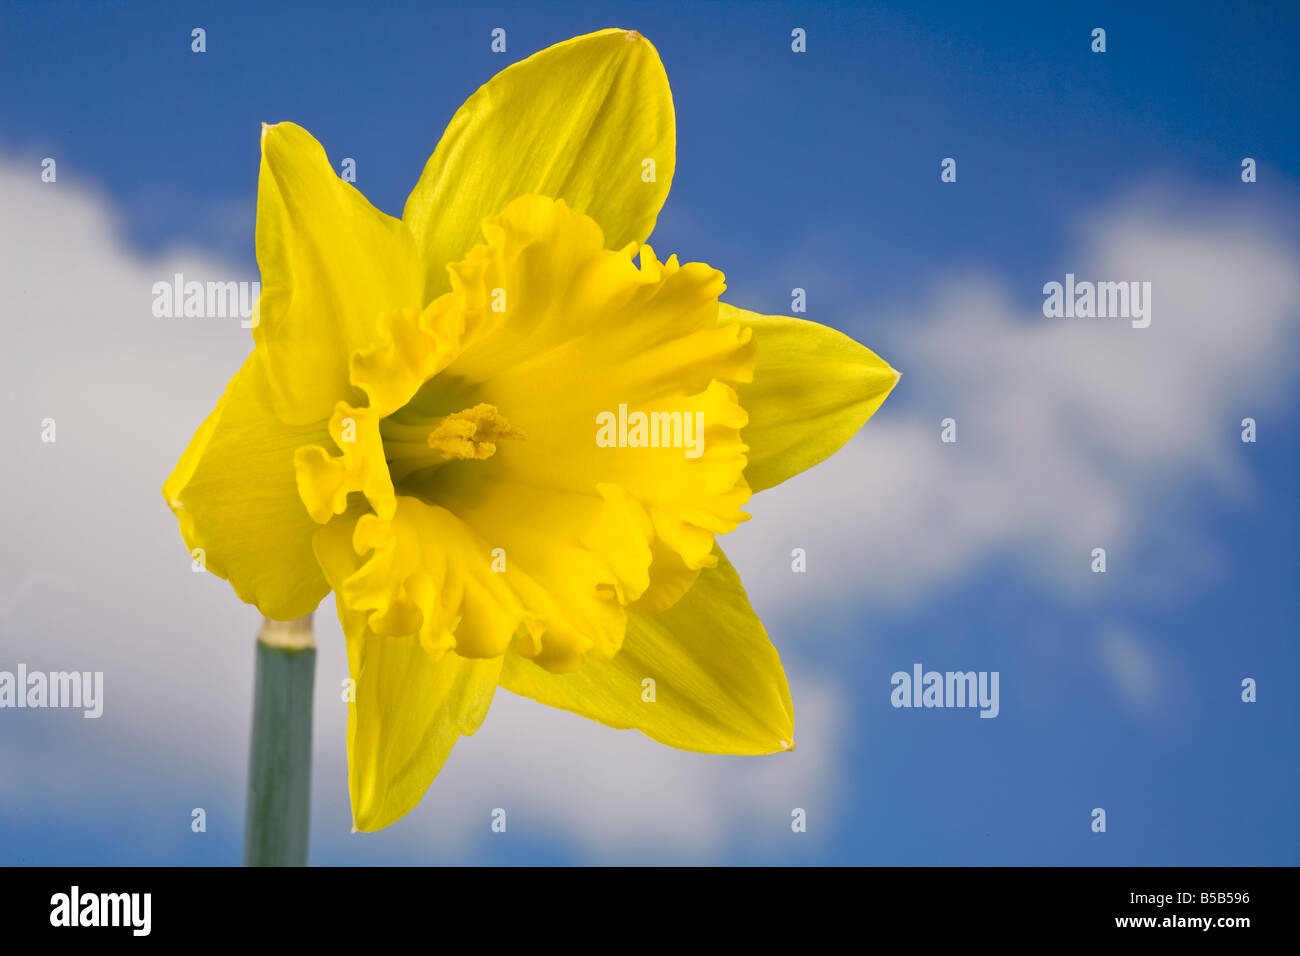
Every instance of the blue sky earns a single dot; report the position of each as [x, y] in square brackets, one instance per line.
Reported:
[817, 170]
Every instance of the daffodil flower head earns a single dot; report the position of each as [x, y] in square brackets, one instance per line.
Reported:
[418, 429]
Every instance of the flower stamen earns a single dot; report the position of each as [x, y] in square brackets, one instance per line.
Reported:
[470, 434]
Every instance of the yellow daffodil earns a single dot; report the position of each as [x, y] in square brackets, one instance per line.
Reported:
[418, 430]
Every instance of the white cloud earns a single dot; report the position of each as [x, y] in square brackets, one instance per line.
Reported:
[1133, 666]
[1072, 433]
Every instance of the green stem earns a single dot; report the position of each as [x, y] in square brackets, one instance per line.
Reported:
[279, 767]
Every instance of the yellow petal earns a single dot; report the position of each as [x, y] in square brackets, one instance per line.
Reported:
[813, 388]
[718, 682]
[577, 121]
[331, 264]
[409, 708]
[236, 498]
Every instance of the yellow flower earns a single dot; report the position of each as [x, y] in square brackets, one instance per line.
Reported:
[450, 420]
